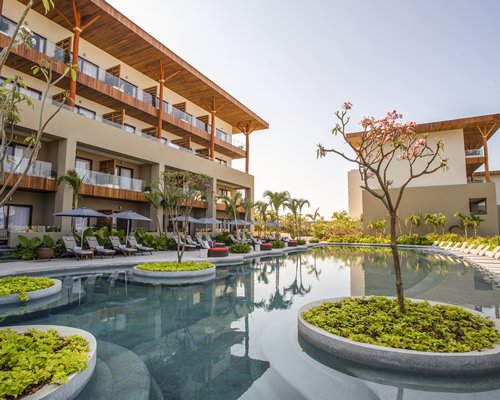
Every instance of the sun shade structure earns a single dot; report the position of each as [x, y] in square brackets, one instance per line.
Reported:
[272, 223]
[130, 215]
[207, 221]
[238, 222]
[82, 212]
[182, 218]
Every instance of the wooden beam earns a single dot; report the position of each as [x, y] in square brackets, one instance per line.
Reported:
[90, 22]
[161, 82]
[484, 134]
[246, 128]
[212, 130]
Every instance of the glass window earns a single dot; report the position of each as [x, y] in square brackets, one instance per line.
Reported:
[129, 88]
[88, 68]
[85, 112]
[15, 218]
[125, 176]
[40, 43]
[478, 206]
[83, 164]
[129, 128]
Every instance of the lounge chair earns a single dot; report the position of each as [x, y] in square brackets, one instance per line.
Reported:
[73, 249]
[460, 248]
[467, 249]
[99, 250]
[476, 251]
[132, 242]
[189, 240]
[217, 244]
[180, 242]
[121, 248]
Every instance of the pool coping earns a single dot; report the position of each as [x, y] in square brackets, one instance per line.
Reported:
[467, 363]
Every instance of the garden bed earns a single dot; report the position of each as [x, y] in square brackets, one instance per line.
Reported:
[174, 273]
[20, 289]
[45, 362]
[430, 337]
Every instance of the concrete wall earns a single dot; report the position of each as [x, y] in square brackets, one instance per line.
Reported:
[355, 194]
[445, 199]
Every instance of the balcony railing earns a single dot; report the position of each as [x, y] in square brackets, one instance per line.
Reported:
[474, 153]
[7, 27]
[40, 169]
[111, 181]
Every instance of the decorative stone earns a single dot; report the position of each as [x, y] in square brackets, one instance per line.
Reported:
[467, 363]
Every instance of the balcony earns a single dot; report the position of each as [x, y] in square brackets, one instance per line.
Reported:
[100, 184]
[41, 176]
[471, 153]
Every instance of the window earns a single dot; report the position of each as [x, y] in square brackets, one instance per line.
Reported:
[15, 217]
[478, 206]
[88, 68]
[125, 176]
[40, 43]
[128, 88]
[83, 164]
[30, 92]
[85, 112]
[129, 128]
[224, 192]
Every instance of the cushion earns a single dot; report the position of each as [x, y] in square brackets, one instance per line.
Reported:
[219, 248]
[99, 247]
[122, 246]
[77, 248]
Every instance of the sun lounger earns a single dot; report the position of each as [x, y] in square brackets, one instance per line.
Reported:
[73, 249]
[180, 243]
[121, 248]
[461, 248]
[132, 242]
[189, 240]
[97, 249]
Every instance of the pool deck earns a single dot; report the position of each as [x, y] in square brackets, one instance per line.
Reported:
[65, 265]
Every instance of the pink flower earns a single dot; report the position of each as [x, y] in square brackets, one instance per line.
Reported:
[347, 105]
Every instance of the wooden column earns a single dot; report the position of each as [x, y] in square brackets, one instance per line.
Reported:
[212, 130]
[246, 129]
[485, 132]
[161, 81]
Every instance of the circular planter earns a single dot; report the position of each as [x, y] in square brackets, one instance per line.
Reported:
[218, 252]
[44, 253]
[174, 278]
[34, 295]
[472, 362]
[77, 381]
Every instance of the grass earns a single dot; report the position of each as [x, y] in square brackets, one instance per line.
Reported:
[31, 360]
[21, 285]
[174, 266]
[424, 327]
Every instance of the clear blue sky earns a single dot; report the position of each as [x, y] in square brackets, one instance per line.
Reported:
[295, 62]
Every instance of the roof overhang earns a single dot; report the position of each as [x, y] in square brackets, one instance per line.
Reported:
[117, 35]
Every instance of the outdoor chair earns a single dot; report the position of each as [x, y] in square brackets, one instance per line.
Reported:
[461, 248]
[132, 242]
[121, 248]
[189, 240]
[99, 250]
[217, 244]
[187, 246]
[73, 249]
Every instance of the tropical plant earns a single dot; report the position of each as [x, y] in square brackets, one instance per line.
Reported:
[13, 95]
[277, 200]
[224, 237]
[278, 244]
[374, 149]
[26, 249]
[379, 226]
[432, 220]
[232, 203]
[464, 222]
[474, 222]
[262, 214]
[247, 205]
[72, 179]
[441, 221]
[301, 203]
[413, 221]
[55, 245]
[158, 242]
[240, 248]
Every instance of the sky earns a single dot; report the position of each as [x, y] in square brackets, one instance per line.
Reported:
[295, 62]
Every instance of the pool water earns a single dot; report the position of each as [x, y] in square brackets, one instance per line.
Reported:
[236, 337]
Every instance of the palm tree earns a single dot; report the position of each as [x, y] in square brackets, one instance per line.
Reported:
[441, 221]
[262, 214]
[378, 226]
[74, 181]
[232, 203]
[277, 200]
[293, 206]
[301, 203]
[314, 216]
[414, 220]
[247, 205]
[154, 198]
[432, 219]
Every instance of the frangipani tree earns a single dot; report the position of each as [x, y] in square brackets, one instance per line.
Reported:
[376, 150]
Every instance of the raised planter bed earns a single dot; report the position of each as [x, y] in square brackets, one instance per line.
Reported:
[35, 295]
[465, 363]
[76, 381]
[218, 252]
[173, 277]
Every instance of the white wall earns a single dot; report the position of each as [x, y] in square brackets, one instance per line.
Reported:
[355, 193]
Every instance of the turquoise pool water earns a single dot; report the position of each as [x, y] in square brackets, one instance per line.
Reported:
[236, 337]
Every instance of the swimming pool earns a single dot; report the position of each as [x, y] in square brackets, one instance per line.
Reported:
[236, 337]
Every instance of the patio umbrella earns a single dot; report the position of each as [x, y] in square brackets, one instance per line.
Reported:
[82, 212]
[130, 215]
[207, 221]
[236, 222]
[182, 218]
[272, 223]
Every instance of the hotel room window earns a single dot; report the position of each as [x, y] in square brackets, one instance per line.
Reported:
[478, 206]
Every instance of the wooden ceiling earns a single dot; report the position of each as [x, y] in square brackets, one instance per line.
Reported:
[470, 126]
[119, 36]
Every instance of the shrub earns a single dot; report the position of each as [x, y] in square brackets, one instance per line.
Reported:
[22, 285]
[174, 266]
[240, 248]
[26, 249]
[301, 242]
[278, 244]
[223, 237]
[56, 245]
[33, 359]
[158, 243]
[415, 240]
[313, 240]
[378, 321]
[359, 239]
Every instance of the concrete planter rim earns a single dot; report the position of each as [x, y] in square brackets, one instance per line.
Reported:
[76, 381]
[174, 275]
[33, 295]
[472, 362]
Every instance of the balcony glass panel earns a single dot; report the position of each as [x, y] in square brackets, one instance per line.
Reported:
[474, 153]
[40, 169]
[110, 181]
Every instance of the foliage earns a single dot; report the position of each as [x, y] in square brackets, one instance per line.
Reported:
[342, 224]
[378, 321]
[240, 248]
[378, 226]
[158, 242]
[101, 234]
[55, 245]
[72, 179]
[301, 242]
[22, 285]
[359, 239]
[313, 240]
[382, 142]
[33, 359]
[466, 221]
[155, 200]
[276, 201]
[26, 248]
[415, 240]
[414, 220]
[174, 266]
[278, 244]
[223, 237]
[232, 203]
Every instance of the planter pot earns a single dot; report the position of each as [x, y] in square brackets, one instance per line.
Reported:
[466, 363]
[44, 253]
[257, 247]
[203, 253]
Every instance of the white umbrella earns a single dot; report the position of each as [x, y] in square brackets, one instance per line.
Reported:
[82, 212]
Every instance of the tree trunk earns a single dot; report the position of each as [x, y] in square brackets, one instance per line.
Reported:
[397, 265]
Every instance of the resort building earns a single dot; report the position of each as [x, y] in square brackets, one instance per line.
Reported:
[135, 110]
[446, 191]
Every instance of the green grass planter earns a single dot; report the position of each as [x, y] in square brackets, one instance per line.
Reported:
[174, 273]
[45, 362]
[429, 337]
[20, 289]
[240, 248]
